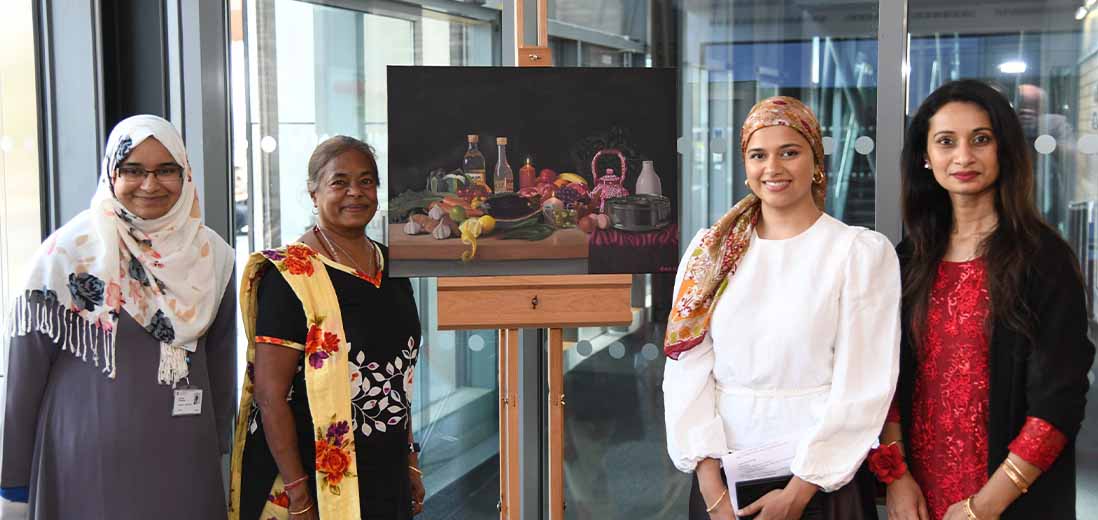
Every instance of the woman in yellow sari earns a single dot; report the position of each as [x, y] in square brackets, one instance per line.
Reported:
[311, 442]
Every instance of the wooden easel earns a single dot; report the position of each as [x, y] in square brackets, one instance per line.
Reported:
[552, 302]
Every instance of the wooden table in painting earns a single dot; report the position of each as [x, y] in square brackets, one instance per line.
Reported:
[564, 252]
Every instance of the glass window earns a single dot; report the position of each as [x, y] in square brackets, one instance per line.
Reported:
[1043, 56]
[20, 202]
[303, 72]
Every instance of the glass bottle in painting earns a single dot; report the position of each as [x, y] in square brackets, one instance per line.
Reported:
[473, 165]
[503, 177]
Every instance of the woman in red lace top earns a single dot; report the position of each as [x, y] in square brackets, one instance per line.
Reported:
[995, 352]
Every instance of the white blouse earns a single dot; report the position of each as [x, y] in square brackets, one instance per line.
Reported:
[804, 342]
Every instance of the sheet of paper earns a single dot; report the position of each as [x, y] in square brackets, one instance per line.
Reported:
[772, 459]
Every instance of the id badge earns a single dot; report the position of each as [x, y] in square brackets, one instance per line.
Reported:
[188, 401]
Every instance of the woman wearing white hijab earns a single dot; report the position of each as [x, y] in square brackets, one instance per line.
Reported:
[121, 367]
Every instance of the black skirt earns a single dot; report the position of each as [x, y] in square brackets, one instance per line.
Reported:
[854, 501]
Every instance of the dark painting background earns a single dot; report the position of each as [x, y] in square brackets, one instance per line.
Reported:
[560, 117]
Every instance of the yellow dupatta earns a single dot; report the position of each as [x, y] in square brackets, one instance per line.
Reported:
[327, 377]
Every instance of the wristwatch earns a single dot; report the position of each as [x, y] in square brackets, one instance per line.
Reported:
[413, 447]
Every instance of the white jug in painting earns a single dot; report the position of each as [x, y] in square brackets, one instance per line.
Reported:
[649, 183]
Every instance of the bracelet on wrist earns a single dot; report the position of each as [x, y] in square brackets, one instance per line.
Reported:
[302, 511]
[294, 483]
[968, 508]
[1015, 475]
[709, 509]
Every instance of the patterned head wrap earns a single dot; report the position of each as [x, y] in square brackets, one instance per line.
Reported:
[714, 261]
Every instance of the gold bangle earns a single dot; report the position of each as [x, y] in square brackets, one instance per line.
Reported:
[968, 509]
[1017, 470]
[710, 509]
[900, 443]
[1018, 480]
[415, 469]
[303, 511]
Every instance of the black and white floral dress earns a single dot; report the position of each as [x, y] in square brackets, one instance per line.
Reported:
[382, 326]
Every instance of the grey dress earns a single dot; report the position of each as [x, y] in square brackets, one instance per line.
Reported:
[90, 448]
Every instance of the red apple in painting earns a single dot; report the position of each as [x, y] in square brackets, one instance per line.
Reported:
[547, 176]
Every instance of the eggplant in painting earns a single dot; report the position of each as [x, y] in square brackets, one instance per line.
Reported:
[509, 206]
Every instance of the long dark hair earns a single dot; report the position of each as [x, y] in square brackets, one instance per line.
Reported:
[928, 212]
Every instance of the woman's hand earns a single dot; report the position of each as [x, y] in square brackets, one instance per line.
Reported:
[418, 491]
[782, 504]
[905, 500]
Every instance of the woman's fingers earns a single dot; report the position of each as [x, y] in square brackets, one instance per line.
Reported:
[756, 506]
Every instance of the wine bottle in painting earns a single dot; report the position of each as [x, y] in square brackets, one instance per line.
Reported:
[473, 165]
[503, 177]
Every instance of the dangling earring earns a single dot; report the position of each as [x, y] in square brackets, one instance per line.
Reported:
[926, 165]
[316, 211]
[818, 177]
[745, 183]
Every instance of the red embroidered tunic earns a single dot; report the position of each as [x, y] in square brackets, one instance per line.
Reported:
[947, 450]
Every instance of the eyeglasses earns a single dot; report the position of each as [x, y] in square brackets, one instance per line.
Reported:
[165, 174]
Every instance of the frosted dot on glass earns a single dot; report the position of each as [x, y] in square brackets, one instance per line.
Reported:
[6, 144]
[1088, 144]
[650, 351]
[682, 145]
[268, 144]
[476, 343]
[864, 145]
[828, 145]
[1045, 144]
[584, 348]
[29, 144]
[617, 350]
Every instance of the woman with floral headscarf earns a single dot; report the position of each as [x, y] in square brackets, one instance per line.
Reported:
[121, 367]
[785, 327]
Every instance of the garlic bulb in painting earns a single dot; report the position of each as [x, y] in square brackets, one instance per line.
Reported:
[441, 232]
[437, 213]
[412, 228]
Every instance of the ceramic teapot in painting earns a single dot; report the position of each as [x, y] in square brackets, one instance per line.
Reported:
[608, 186]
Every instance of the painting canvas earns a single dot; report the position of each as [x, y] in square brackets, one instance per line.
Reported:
[508, 171]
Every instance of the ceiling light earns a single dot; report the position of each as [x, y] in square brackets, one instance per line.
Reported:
[1081, 13]
[1012, 67]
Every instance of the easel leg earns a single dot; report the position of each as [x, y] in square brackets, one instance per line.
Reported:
[556, 424]
[509, 478]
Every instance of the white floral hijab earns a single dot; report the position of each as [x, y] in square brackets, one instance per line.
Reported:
[167, 273]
